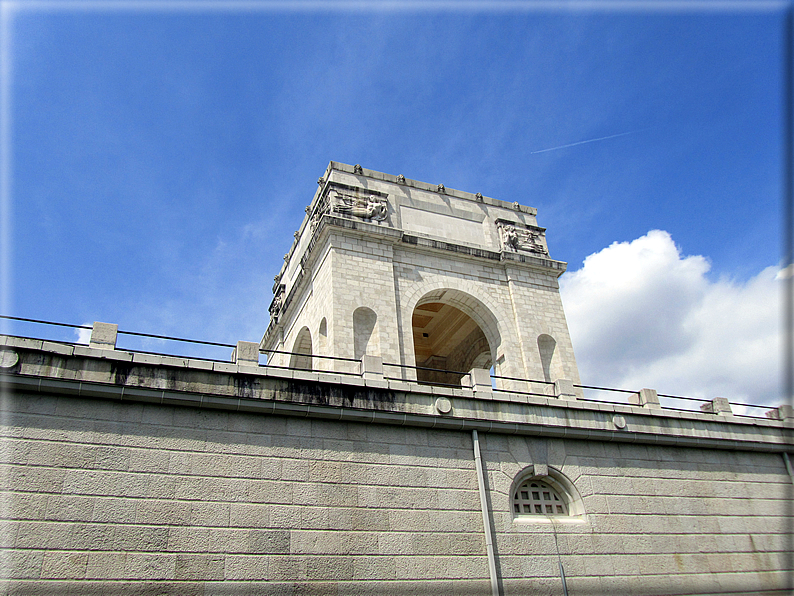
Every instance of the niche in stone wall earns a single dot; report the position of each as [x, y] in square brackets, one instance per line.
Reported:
[322, 345]
[549, 358]
[366, 339]
[322, 337]
[302, 350]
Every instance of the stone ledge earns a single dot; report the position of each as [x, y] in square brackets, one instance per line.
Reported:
[300, 386]
[422, 416]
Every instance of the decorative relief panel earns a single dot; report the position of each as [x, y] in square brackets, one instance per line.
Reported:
[278, 302]
[517, 237]
[370, 208]
[349, 201]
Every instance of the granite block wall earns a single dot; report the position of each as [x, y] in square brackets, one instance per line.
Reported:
[129, 498]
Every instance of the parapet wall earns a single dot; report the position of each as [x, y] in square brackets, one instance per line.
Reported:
[130, 472]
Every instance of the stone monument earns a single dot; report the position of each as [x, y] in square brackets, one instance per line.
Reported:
[428, 282]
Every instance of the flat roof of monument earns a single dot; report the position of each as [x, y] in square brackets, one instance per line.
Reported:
[460, 194]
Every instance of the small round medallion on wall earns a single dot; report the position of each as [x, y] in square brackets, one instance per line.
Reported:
[443, 405]
[619, 421]
[8, 358]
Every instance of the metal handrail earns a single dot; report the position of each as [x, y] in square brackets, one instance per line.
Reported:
[404, 366]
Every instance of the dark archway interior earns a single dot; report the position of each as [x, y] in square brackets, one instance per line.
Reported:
[447, 339]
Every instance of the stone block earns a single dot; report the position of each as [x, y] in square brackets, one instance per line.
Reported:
[288, 568]
[478, 379]
[163, 512]
[246, 353]
[140, 538]
[246, 567]
[23, 505]
[276, 542]
[329, 568]
[105, 565]
[564, 389]
[646, 398]
[22, 564]
[103, 336]
[158, 566]
[67, 508]
[245, 515]
[199, 567]
[57, 348]
[114, 510]
[784, 412]
[718, 405]
[310, 542]
[64, 565]
[374, 568]
[190, 539]
[372, 367]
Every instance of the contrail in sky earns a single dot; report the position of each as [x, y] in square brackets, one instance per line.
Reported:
[620, 134]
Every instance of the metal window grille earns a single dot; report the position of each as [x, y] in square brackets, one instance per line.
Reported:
[535, 497]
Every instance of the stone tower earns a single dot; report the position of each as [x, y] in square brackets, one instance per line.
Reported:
[387, 270]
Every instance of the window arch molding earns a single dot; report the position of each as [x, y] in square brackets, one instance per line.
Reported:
[558, 482]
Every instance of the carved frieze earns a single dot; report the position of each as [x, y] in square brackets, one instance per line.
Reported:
[278, 301]
[372, 207]
[518, 237]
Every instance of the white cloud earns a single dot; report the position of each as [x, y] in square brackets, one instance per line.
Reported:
[643, 315]
[83, 336]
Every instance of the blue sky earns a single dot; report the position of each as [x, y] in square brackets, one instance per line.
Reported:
[159, 159]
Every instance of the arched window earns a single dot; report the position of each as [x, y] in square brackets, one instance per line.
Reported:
[536, 497]
[543, 492]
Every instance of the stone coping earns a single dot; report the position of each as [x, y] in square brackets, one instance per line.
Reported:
[459, 194]
[45, 366]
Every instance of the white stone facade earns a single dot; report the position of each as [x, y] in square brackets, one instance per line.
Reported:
[384, 245]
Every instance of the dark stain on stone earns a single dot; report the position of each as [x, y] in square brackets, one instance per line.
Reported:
[119, 371]
[337, 395]
[246, 386]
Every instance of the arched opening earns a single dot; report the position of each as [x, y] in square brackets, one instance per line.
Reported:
[549, 359]
[302, 351]
[366, 339]
[447, 339]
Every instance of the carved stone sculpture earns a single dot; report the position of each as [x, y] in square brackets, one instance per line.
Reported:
[315, 222]
[517, 238]
[478, 196]
[357, 169]
[441, 188]
[400, 179]
[372, 208]
[278, 302]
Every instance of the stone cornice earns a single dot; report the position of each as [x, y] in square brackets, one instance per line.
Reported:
[73, 370]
